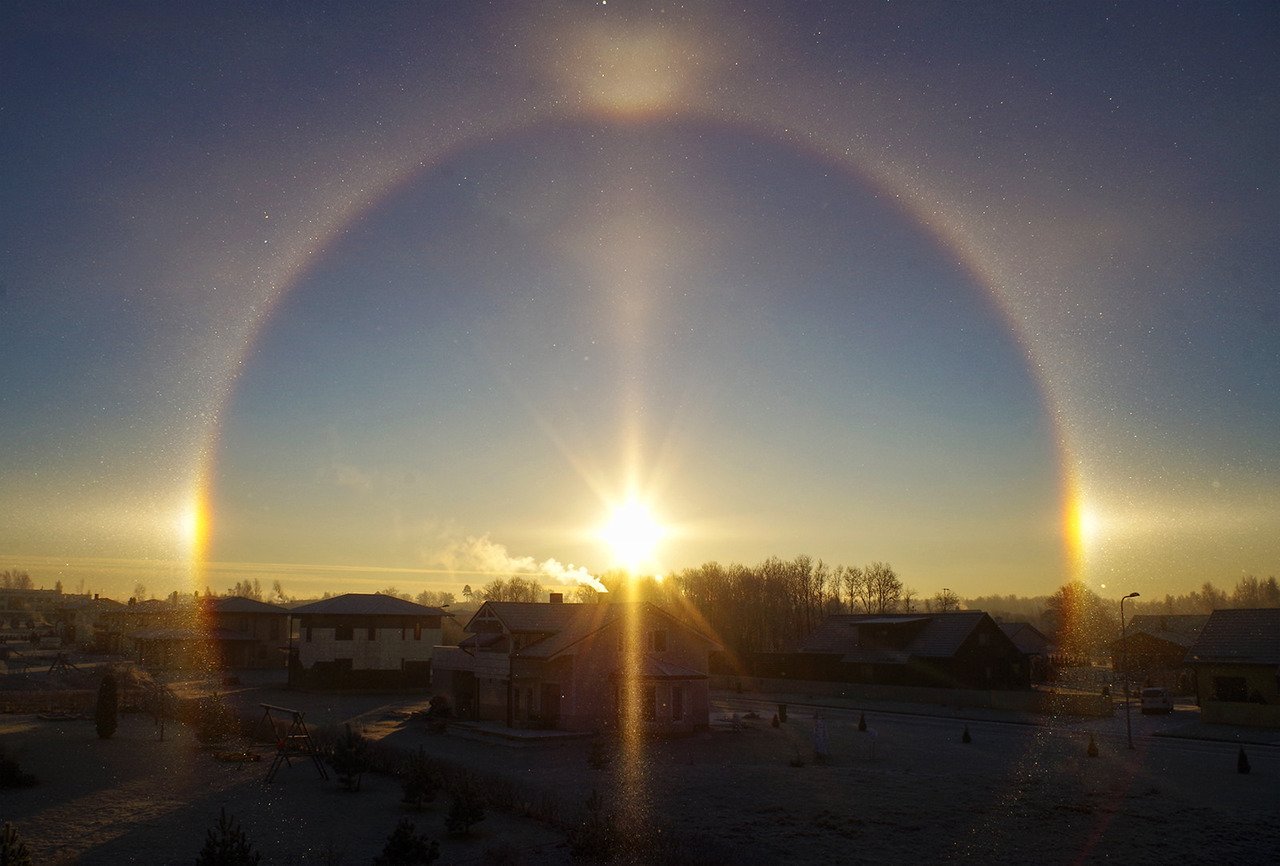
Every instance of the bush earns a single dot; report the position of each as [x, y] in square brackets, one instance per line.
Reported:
[407, 847]
[596, 838]
[12, 776]
[599, 757]
[215, 723]
[420, 781]
[105, 713]
[13, 851]
[350, 758]
[226, 845]
[465, 808]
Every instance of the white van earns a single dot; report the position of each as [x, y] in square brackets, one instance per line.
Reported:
[1157, 700]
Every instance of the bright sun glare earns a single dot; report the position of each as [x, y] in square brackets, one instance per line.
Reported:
[632, 534]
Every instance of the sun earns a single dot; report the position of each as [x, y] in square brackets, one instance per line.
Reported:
[632, 534]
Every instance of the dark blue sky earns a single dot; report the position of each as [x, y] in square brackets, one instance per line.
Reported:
[987, 292]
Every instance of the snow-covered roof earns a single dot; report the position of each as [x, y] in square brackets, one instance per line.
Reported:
[367, 604]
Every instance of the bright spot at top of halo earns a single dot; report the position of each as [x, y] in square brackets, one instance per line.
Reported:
[632, 535]
[630, 70]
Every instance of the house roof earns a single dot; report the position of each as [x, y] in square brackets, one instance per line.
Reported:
[655, 668]
[1246, 636]
[563, 624]
[1027, 638]
[239, 604]
[530, 617]
[941, 636]
[1179, 629]
[367, 604]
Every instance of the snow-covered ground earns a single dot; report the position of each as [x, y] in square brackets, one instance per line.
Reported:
[1017, 793]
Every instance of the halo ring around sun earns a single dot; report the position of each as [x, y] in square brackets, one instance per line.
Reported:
[804, 139]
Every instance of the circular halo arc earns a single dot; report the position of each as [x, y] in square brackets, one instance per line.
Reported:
[946, 233]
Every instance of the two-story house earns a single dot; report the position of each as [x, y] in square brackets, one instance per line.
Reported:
[568, 666]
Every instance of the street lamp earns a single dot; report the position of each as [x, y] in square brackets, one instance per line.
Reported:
[1124, 672]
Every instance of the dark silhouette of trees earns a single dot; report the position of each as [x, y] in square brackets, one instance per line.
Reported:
[1082, 623]
[407, 847]
[774, 605]
[512, 589]
[12, 849]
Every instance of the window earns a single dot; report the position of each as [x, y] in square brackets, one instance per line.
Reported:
[274, 629]
[677, 703]
[417, 631]
[658, 640]
[650, 698]
[308, 634]
[372, 633]
[342, 632]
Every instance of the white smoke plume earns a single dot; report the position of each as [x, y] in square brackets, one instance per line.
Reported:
[480, 554]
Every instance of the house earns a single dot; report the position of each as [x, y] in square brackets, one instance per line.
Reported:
[1154, 646]
[77, 618]
[215, 633]
[565, 666]
[1236, 659]
[244, 633]
[364, 640]
[117, 628]
[958, 649]
[1034, 645]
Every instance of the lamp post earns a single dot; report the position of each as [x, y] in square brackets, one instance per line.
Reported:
[1124, 672]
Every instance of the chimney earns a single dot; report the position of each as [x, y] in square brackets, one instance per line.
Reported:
[95, 596]
[557, 598]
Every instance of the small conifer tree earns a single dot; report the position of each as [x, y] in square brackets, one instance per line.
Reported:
[12, 775]
[420, 781]
[1242, 762]
[862, 721]
[407, 847]
[1093, 747]
[465, 808]
[350, 758]
[226, 845]
[965, 738]
[105, 714]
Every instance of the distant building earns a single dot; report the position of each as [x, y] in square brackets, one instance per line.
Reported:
[1154, 648]
[1236, 659]
[25, 610]
[1035, 647]
[361, 640]
[245, 633]
[959, 649]
[77, 618]
[555, 665]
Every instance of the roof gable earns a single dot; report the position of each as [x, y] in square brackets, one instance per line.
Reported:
[940, 635]
[1249, 636]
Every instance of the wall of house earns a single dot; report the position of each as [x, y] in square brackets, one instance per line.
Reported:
[592, 703]
[389, 648]
[1262, 681]
[270, 632]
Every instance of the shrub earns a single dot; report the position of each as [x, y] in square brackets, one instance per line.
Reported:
[11, 775]
[226, 845]
[596, 838]
[407, 847]
[215, 723]
[465, 808]
[598, 758]
[105, 714]
[13, 851]
[420, 781]
[350, 758]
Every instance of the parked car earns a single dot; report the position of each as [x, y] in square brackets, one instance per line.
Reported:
[1157, 700]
